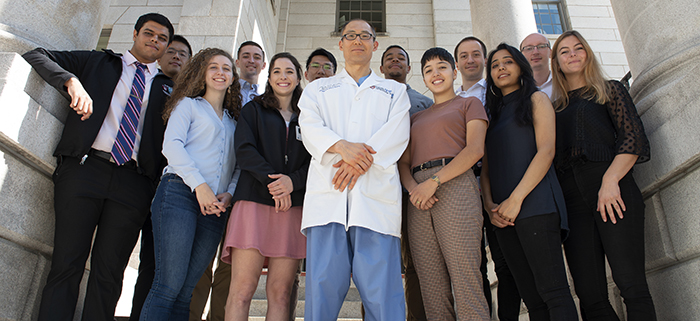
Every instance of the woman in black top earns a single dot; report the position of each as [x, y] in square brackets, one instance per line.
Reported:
[520, 188]
[599, 138]
[265, 221]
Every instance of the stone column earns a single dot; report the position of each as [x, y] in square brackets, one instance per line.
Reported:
[32, 119]
[663, 49]
[58, 24]
[496, 21]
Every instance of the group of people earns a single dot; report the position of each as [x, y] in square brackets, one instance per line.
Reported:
[352, 173]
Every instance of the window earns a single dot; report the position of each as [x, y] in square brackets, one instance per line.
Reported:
[104, 39]
[548, 16]
[372, 11]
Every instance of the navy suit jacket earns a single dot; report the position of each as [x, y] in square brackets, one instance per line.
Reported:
[99, 72]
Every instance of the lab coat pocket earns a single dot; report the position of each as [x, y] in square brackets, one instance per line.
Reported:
[318, 181]
[381, 106]
[382, 184]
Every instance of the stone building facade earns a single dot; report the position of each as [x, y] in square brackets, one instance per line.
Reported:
[654, 40]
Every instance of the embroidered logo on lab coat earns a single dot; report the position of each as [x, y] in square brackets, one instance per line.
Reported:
[325, 88]
[382, 89]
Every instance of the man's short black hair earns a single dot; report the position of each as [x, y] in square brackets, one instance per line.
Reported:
[184, 41]
[325, 53]
[342, 28]
[439, 53]
[470, 38]
[408, 60]
[157, 18]
[249, 43]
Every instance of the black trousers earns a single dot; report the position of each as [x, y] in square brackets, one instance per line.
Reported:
[113, 199]
[507, 295]
[532, 249]
[591, 241]
[147, 269]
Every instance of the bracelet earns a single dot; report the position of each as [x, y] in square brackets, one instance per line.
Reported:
[437, 180]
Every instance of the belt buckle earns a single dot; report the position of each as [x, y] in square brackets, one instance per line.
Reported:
[422, 166]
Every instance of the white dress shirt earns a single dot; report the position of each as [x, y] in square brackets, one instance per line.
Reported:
[478, 90]
[110, 126]
[547, 86]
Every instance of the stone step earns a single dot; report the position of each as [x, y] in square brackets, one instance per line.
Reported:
[353, 293]
[302, 319]
[349, 311]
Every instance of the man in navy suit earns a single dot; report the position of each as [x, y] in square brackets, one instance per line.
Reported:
[108, 164]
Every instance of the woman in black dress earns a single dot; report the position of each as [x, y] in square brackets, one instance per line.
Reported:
[599, 138]
[520, 188]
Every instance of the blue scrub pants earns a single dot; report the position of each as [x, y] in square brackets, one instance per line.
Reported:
[374, 260]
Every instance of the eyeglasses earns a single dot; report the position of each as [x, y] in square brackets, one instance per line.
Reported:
[363, 36]
[326, 67]
[531, 48]
[179, 53]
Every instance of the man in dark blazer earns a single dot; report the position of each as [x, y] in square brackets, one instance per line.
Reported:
[95, 186]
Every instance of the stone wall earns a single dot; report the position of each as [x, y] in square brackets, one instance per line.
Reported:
[122, 15]
[595, 20]
[310, 24]
[33, 114]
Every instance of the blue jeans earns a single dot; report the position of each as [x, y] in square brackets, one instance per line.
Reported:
[185, 241]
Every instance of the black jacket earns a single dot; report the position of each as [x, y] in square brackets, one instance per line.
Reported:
[99, 73]
[262, 148]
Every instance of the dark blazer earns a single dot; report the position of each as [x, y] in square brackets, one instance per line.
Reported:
[99, 72]
[263, 147]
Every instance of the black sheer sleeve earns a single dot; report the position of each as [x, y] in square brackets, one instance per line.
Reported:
[631, 138]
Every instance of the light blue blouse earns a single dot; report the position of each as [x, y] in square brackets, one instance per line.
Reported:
[199, 146]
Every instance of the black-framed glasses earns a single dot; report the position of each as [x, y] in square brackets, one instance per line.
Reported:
[363, 36]
[539, 47]
[326, 67]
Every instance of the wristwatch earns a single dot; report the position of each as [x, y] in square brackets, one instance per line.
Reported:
[436, 179]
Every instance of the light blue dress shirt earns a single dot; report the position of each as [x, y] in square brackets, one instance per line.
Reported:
[248, 91]
[199, 146]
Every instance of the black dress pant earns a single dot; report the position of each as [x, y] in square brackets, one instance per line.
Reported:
[532, 249]
[113, 199]
[507, 295]
[147, 269]
[591, 241]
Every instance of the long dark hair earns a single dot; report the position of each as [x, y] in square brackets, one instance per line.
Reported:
[494, 96]
[268, 98]
[190, 83]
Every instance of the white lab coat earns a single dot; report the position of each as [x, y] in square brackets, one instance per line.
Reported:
[375, 113]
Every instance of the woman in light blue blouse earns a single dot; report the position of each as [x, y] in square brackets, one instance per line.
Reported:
[189, 209]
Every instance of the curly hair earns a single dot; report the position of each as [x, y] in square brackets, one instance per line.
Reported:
[596, 88]
[494, 96]
[190, 83]
[268, 98]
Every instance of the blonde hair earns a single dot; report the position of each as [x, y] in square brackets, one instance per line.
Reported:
[190, 83]
[596, 88]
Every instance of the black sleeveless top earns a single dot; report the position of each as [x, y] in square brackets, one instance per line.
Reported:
[510, 147]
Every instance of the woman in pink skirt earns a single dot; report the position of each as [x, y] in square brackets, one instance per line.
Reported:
[266, 218]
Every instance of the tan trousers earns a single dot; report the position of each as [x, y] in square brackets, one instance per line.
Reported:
[446, 245]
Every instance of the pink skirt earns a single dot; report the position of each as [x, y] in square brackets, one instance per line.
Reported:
[256, 226]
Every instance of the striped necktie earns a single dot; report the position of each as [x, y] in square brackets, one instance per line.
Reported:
[126, 136]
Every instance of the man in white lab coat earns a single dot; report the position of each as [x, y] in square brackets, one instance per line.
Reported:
[356, 126]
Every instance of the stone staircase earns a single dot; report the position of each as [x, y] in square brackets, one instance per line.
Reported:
[349, 312]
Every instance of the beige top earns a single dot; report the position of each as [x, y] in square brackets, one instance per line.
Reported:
[441, 130]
